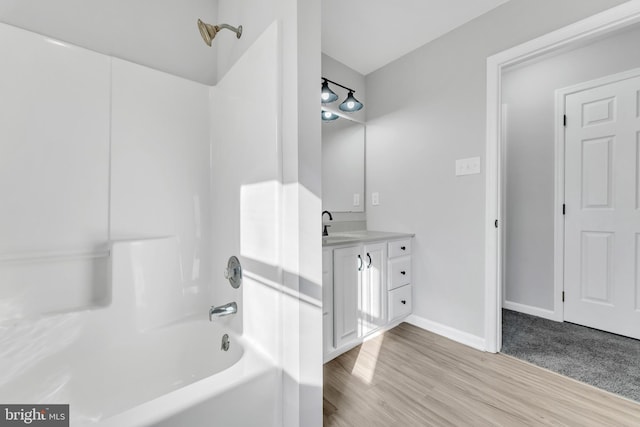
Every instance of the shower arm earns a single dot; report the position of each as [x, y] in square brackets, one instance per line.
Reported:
[237, 30]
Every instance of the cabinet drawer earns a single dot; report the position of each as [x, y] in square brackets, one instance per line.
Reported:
[399, 302]
[399, 272]
[399, 248]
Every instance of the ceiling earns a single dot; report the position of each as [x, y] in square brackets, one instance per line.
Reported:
[368, 34]
[162, 34]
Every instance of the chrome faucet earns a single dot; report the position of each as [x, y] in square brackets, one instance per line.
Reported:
[324, 230]
[222, 310]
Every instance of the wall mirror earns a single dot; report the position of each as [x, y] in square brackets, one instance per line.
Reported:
[343, 151]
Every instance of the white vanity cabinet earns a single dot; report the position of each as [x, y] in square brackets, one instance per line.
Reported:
[360, 291]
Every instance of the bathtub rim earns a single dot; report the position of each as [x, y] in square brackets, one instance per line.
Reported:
[251, 365]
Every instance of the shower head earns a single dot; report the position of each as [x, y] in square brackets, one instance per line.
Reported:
[208, 31]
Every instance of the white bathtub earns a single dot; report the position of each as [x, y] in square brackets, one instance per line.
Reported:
[139, 360]
[199, 384]
[140, 380]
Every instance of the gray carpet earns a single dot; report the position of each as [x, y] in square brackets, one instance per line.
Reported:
[608, 361]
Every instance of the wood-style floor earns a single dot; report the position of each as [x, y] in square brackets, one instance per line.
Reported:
[411, 377]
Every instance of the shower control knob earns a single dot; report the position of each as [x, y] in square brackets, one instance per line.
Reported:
[403, 273]
[404, 301]
[404, 248]
[233, 272]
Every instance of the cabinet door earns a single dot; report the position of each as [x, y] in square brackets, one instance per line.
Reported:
[327, 300]
[373, 288]
[347, 278]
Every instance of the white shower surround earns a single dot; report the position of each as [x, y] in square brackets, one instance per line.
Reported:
[156, 174]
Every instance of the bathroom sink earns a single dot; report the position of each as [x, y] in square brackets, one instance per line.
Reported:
[332, 239]
[360, 236]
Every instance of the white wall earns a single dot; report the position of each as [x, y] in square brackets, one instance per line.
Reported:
[255, 16]
[426, 110]
[529, 92]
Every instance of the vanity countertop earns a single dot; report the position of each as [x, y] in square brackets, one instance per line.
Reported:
[361, 236]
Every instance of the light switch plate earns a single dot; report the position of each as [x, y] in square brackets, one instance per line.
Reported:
[375, 199]
[356, 199]
[468, 166]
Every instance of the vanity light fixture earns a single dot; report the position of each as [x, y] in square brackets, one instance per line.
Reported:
[350, 104]
[329, 116]
[327, 94]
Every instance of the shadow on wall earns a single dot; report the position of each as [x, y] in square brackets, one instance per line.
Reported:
[271, 276]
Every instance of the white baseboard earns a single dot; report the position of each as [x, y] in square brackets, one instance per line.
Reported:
[448, 332]
[529, 309]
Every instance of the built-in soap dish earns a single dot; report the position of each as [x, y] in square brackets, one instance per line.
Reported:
[233, 273]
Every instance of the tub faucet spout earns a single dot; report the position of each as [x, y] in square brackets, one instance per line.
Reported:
[223, 310]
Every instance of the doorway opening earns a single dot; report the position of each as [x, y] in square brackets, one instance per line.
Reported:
[576, 35]
[526, 266]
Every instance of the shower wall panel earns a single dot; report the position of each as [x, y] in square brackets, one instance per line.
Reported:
[160, 170]
[92, 149]
[54, 174]
[246, 189]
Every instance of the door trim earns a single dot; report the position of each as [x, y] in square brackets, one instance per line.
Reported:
[559, 236]
[568, 37]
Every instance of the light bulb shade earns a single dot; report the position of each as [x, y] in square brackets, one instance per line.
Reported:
[328, 116]
[351, 104]
[327, 95]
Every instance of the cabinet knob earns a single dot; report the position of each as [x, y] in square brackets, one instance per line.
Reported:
[403, 273]
[404, 248]
[404, 301]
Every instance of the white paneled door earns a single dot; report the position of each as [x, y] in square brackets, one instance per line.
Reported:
[602, 195]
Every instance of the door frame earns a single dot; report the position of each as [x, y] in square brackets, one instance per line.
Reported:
[560, 142]
[566, 38]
